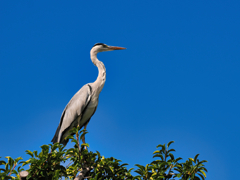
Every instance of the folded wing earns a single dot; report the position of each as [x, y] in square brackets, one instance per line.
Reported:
[72, 114]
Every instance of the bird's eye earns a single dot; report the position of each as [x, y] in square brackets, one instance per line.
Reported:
[105, 46]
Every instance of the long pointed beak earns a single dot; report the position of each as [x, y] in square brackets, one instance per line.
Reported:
[116, 48]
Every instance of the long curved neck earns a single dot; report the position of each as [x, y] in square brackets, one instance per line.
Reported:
[100, 81]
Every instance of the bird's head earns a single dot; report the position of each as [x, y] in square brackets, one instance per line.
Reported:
[100, 47]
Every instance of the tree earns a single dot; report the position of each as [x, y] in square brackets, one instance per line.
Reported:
[84, 164]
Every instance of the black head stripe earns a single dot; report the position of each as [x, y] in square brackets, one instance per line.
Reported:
[98, 44]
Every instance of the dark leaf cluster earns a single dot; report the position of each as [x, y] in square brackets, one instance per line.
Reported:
[84, 164]
[167, 167]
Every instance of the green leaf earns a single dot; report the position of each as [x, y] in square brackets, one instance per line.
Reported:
[124, 164]
[191, 159]
[86, 144]
[75, 141]
[171, 150]
[18, 159]
[171, 155]
[45, 147]
[201, 176]
[196, 178]
[74, 130]
[84, 132]
[2, 162]
[179, 175]
[35, 153]
[10, 161]
[69, 137]
[203, 173]
[202, 162]
[160, 145]
[29, 153]
[203, 168]
[176, 160]
[25, 162]
[163, 163]
[170, 143]
[155, 152]
[195, 158]
[159, 155]
[130, 169]
[140, 166]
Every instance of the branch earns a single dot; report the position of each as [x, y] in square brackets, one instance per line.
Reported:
[12, 169]
[82, 174]
[77, 138]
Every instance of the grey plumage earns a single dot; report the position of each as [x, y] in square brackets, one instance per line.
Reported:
[84, 103]
[72, 112]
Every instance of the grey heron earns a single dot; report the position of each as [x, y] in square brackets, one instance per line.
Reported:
[83, 104]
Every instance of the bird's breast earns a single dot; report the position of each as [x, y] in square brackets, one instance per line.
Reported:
[94, 98]
[87, 115]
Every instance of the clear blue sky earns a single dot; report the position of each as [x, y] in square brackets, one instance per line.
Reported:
[178, 79]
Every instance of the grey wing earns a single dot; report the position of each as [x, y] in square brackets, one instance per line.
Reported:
[72, 113]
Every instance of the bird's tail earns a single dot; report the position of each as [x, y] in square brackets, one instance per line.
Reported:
[55, 138]
[62, 140]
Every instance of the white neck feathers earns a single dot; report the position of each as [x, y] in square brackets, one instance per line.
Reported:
[100, 81]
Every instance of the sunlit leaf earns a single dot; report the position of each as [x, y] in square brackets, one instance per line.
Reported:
[29, 153]
[191, 159]
[2, 162]
[86, 144]
[203, 173]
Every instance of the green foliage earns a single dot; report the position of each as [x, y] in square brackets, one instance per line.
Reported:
[100, 167]
[48, 164]
[9, 168]
[167, 166]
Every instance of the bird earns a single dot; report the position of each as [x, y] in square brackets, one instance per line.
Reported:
[83, 104]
